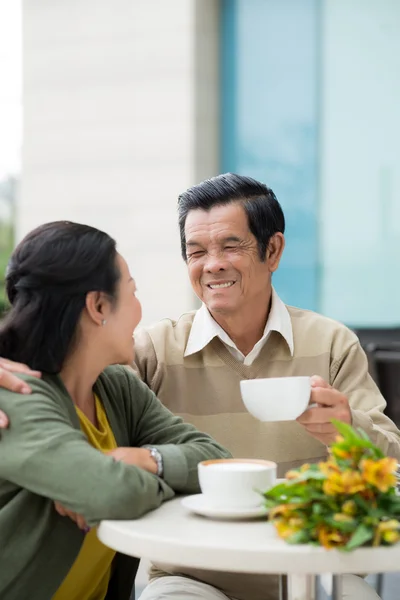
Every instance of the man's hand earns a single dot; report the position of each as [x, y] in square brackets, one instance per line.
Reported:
[11, 382]
[331, 404]
[139, 457]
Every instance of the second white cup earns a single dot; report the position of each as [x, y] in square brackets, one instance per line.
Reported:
[236, 483]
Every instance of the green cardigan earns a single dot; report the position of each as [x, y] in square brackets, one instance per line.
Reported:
[44, 457]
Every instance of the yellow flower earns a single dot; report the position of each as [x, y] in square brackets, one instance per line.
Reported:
[347, 482]
[304, 468]
[389, 531]
[379, 473]
[284, 530]
[284, 510]
[340, 453]
[328, 467]
[342, 518]
[346, 452]
[292, 475]
[391, 525]
[391, 537]
[296, 522]
[349, 507]
[331, 538]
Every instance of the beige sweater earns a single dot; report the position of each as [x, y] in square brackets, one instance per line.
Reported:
[204, 389]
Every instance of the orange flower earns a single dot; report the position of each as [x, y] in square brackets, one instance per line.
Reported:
[347, 482]
[379, 473]
[340, 453]
[369, 495]
[331, 538]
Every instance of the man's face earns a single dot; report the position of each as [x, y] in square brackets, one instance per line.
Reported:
[223, 260]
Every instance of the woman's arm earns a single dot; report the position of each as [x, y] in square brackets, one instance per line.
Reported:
[42, 452]
[181, 445]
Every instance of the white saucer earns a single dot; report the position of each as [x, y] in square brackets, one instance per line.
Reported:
[199, 505]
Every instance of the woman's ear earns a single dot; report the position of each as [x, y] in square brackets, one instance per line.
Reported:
[97, 307]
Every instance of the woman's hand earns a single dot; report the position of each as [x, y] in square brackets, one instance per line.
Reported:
[139, 457]
[78, 519]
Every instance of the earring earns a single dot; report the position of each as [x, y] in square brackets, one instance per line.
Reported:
[103, 322]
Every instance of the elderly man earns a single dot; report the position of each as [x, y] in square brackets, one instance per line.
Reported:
[232, 238]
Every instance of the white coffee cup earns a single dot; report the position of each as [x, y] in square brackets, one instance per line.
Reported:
[236, 483]
[276, 398]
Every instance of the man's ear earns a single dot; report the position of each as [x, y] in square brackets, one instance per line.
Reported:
[275, 250]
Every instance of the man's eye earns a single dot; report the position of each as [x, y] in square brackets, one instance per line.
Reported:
[196, 254]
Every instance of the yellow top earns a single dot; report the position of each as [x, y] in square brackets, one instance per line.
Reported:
[89, 576]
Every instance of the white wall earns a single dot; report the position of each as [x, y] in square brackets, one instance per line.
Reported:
[113, 130]
[360, 154]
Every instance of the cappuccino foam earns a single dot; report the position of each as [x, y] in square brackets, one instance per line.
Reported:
[238, 466]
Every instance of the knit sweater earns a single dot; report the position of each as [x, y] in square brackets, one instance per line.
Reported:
[44, 457]
[204, 389]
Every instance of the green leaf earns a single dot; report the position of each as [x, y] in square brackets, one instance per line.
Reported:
[391, 505]
[361, 503]
[363, 434]
[317, 508]
[300, 537]
[357, 438]
[368, 444]
[276, 491]
[346, 430]
[345, 526]
[377, 513]
[310, 475]
[361, 535]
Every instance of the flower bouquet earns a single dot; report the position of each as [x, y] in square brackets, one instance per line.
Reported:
[346, 502]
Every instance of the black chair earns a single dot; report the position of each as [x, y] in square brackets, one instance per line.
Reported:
[384, 366]
[382, 347]
[377, 335]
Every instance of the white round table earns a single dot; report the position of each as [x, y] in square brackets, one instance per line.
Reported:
[173, 535]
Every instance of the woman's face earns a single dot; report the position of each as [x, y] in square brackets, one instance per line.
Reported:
[123, 318]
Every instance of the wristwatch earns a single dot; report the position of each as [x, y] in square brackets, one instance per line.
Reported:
[156, 454]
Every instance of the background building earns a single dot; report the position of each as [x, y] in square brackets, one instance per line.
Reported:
[126, 103]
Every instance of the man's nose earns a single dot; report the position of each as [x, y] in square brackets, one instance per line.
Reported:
[215, 264]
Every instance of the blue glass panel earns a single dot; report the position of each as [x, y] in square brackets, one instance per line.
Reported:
[360, 163]
[270, 121]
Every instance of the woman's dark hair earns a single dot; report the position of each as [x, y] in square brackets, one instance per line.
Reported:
[47, 279]
[264, 213]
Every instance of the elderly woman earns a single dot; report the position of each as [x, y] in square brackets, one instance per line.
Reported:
[92, 441]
